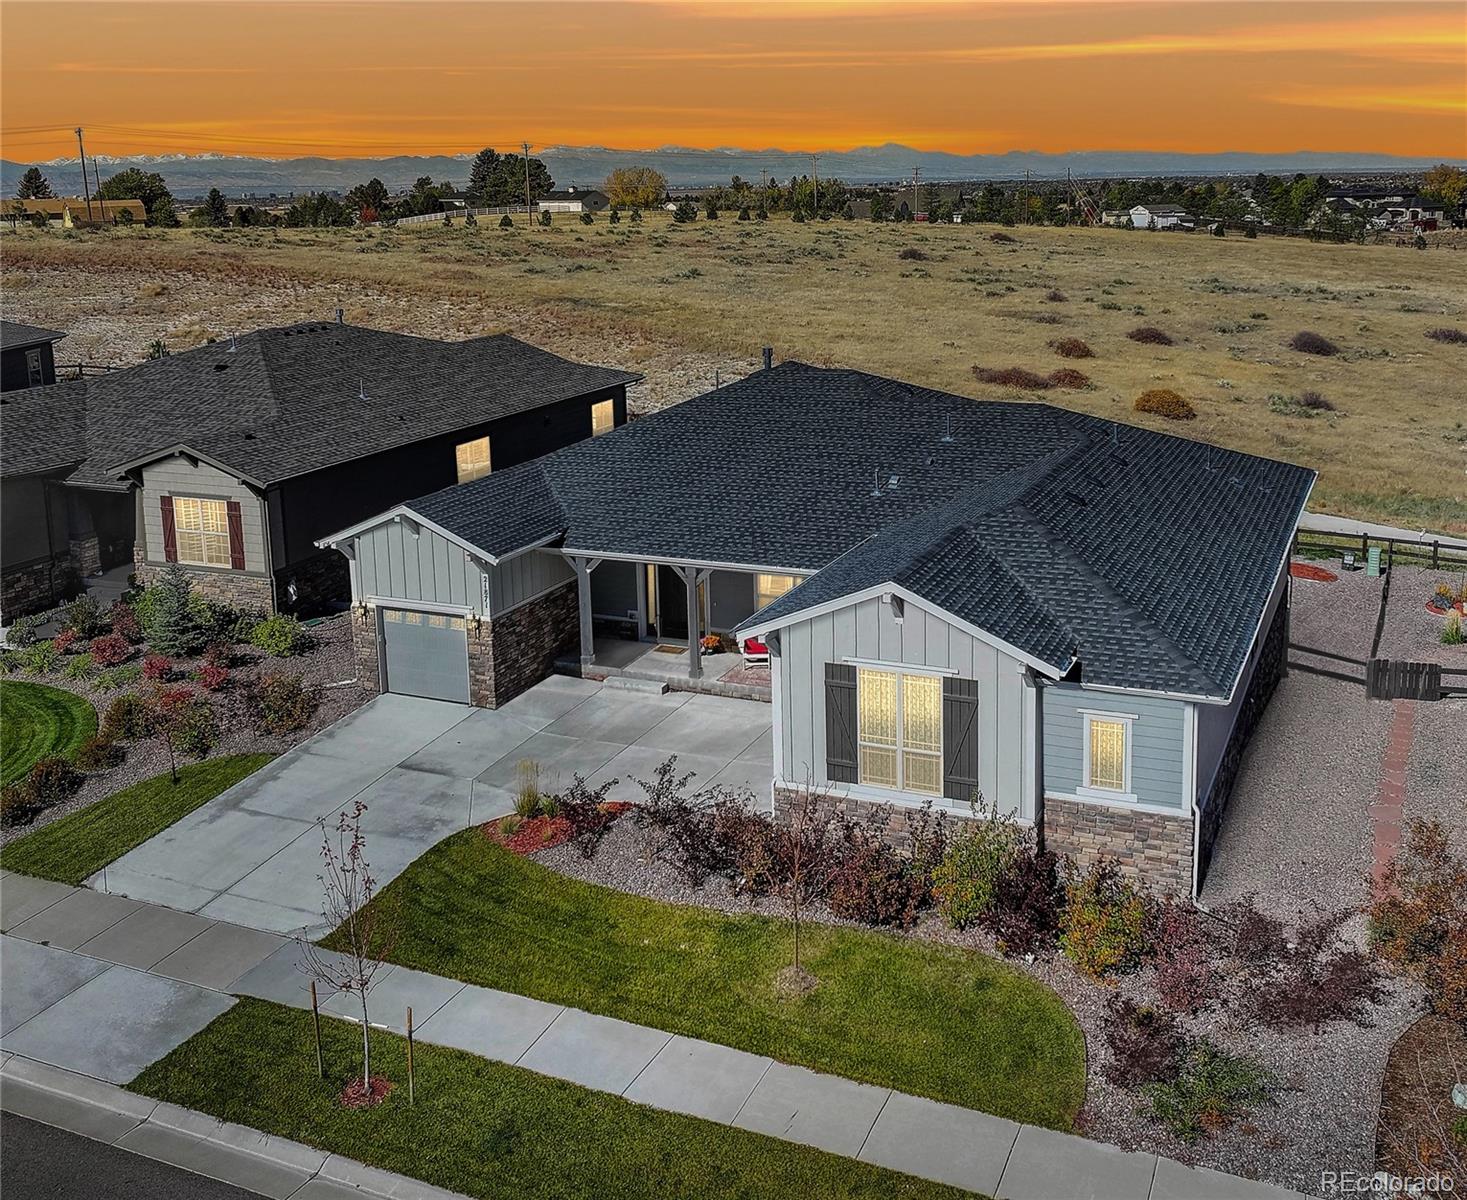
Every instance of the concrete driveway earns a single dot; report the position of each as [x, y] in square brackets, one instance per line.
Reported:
[425, 769]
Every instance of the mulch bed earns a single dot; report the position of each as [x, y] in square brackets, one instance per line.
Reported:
[1414, 1137]
[542, 833]
[356, 1094]
[1303, 570]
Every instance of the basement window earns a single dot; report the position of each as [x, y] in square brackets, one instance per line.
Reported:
[473, 459]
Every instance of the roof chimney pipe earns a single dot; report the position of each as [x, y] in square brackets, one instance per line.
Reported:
[341, 316]
[768, 357]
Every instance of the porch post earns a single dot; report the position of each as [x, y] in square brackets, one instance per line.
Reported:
[695, 644]
[583, 568]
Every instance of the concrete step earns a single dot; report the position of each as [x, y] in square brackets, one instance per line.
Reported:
[633, 683]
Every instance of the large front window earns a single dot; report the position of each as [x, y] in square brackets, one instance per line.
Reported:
[473, 459]
[899, 722]
[202, 529]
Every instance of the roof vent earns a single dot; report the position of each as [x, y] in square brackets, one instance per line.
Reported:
[233, 345]
[1116, 458]
[248, 435]
[1077, 500]
[947, 435]
[361, 389]
[876, 481]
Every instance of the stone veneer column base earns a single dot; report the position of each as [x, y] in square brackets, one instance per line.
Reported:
[364, 649]
[234, 588]
[86, 555]
[36, 586]
[1153, 848]
[513, 652]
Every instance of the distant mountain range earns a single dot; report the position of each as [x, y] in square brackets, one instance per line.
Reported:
[194, 174]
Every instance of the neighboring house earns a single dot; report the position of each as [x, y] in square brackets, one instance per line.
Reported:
[1114, 216]
[233, 458]
[26, 356]
[1078, 620]
[75, 212]
[573, 200]
[1161, 216]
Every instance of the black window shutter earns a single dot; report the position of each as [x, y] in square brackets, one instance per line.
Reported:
[840, 723]
[960, 739]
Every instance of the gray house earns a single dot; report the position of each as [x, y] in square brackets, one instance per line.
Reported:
[27, 357]
[233, 458]
[1078, 620]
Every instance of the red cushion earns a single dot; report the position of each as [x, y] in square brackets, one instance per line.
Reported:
[755, 646]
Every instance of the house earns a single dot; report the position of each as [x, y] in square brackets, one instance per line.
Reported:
[26, 355]
[1077, 620]
[1116, 217]
[573, 200]
[233, 458]
[1161, 216]
[76, 212]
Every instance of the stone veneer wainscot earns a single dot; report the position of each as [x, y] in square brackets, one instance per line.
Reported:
[1151, 847]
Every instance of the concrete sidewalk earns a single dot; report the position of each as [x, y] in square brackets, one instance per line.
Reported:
[922, 1137]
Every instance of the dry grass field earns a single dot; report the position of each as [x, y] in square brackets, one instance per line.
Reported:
[926, 304]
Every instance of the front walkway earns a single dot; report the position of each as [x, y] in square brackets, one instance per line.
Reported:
[99, 1019]
[425, 769]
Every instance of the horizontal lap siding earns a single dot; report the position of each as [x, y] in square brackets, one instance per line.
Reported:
[175, 477]
[1157, 741]
[393, 564]
[868, 631]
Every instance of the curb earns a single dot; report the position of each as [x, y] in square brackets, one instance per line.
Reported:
[193, 1141]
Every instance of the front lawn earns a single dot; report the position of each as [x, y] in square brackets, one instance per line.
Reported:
[487, 1129]
[899, 1012]
[38, 721]
[74, 847]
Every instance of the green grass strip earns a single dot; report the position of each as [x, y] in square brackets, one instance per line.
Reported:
[486, 1129]
[894, 1011]
[74, 847]
[36, 721]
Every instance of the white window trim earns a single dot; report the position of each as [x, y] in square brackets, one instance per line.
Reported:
[1126, 795]
[876, 664]
[899, 748]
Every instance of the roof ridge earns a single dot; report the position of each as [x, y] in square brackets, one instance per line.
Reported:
[1020, 585]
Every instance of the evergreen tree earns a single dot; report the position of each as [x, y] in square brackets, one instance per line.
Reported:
[482, 176]
[636, 216]
[173, 625]
[369, 200]
[217, 210]
[544, 219]
[615, 216]
[505, 222]
[685, 212]
[33, 186]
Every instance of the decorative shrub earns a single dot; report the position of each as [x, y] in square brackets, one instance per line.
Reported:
[1071, 347]
[529, 800]
[1149, 335]
[127, 718]
[1418, 917]
[157, 667]
[1452, 634]
[963, 883]
[1104, 929]
[587, 812]
[279, 703]
[212, 677]
[22, 631]
[78, 667]
[83, 618]
[1313, 400]
[875, 885]
[118, 678]
[110, 650]
[192, 724]
[64, 641]
[1014, 377]
[1163, 402]
[17, 804]
[1317, 990]
[1028, 902]
[53, 779]
[587, 219]
[170, 616]
[99, 754]
[1182, 955]
[41, 658]
[685, 212]
[1307, 342]
[1068, 377]
[1452, 337]
[505, 222]
[9, 661]
[1055, 296]
[279, 636]
[1145, 1043]
[1211, 1089]
[912, 254]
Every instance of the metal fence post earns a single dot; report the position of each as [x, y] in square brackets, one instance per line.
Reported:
[316, 1021]
[410, 1052]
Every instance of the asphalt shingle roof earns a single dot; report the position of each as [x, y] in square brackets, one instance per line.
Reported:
[42, 429]
[14, 335]
[1147, 557]
[283, 402]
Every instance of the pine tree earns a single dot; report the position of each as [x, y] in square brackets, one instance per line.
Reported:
[217, 209]
[482, 177]
[173, 624]
[33, 186]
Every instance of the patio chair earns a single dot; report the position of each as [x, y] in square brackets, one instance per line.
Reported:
[755, 652]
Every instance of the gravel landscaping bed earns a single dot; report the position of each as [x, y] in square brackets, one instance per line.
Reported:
[1330, 1081]
[328, 663]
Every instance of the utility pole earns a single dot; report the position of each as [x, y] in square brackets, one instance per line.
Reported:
[529, 214]
[916, 173]
[86, 190]
[815, 169]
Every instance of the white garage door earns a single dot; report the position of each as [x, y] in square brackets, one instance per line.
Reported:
[425, 654]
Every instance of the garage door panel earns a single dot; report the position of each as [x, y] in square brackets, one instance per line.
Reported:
[425, 654]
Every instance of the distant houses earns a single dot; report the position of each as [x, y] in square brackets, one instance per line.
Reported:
[574, 200]
[1161, 216]
[75, 212]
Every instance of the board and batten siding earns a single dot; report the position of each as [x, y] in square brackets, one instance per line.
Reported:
[177, 476]
[867, 631]
[1157, 742]
[392, 563]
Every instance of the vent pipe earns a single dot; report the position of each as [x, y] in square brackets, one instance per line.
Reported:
[341, 316]
[768, 357]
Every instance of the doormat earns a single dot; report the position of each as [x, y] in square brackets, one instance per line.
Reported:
[661, 649]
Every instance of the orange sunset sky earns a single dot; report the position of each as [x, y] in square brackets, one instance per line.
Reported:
[399, 76]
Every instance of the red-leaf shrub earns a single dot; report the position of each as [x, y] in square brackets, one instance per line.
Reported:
[157, 667]
[1014, 377]
[1317, 990]
[99, 754]
[212, 678]
[279, 703]
[1182, 953]
[110, 650]
[18, 804]
[53, 779]
[1149, 335]
[1072, 347]
[64, 640]
[876, 886]
[127, 718]
[1027, 908]
[1145, 1043]
[1068, 377]
[124, 621]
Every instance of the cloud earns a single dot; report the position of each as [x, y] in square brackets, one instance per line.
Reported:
[1431, 99]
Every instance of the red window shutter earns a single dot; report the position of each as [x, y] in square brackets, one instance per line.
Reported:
[170, 530]
[236, 537]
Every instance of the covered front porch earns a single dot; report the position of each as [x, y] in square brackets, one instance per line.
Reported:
[669, 623]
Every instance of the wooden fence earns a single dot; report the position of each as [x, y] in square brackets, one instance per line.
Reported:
[1437, 554]
[1386, 678]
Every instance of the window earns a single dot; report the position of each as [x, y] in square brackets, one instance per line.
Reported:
[473, 459]
[1108, 755]
[899, 730]
[769, 588]
[34, 367]
[202, 529]
[603, 417]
